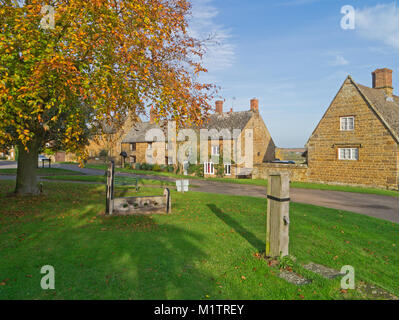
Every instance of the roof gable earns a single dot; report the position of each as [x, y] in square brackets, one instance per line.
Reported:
[386, 111]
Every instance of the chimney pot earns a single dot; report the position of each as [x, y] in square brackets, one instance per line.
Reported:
[382, 79]
[255, 105]
[219, 106]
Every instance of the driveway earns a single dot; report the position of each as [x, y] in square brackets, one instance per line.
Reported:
[378, 206]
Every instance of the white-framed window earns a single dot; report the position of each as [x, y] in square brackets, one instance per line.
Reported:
[227, 169]
[133, 147]
[215, 150]
[149, 146]
[348, 154]
[209, 168]
[347, 123]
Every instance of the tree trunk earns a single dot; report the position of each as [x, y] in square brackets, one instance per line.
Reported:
[26, 172]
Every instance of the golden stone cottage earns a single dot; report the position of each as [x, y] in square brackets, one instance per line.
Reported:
[137, 148]
[357, 140]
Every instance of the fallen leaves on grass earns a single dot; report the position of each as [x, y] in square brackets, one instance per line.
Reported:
[272, 263]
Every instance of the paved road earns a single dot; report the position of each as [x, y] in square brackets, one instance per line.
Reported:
[8, 164]
[383, 207]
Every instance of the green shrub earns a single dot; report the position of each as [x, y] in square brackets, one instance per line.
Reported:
[156, 168]
[196, 169]
[147, 167]
[219, 170]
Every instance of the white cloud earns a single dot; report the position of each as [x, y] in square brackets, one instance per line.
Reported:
[339, 60]
[203, 25]
[380, 23]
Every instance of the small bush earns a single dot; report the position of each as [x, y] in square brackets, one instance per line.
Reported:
[196, 169]
[147, 167]
[156, 168]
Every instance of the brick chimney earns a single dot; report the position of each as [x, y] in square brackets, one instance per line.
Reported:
[255, 105]
[382, 79]
[219, 107]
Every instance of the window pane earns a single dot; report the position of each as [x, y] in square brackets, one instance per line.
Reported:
[351, 124]
[355, 154]
[341, 154]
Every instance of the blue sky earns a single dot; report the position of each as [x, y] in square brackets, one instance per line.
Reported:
[293, 55]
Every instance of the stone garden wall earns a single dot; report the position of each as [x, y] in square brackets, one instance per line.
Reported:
[298, 172]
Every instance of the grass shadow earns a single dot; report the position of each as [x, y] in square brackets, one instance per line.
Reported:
[247, 235]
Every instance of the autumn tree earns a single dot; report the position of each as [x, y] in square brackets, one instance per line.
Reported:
[100, 61]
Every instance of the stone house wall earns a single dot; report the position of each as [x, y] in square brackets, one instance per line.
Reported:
[264, 147]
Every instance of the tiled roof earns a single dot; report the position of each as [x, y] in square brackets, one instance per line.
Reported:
[139, 131]
[230, 121]
[387, 109]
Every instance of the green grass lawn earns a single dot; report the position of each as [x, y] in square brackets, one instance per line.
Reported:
[263, 182]
[319, 186]
[204, 250]
[103, 179]
[42, 172]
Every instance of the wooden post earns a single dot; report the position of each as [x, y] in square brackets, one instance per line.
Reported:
[278, 215]
[168, 201]
[110, 189]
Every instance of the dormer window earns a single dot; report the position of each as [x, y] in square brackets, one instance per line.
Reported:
[347, 123]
